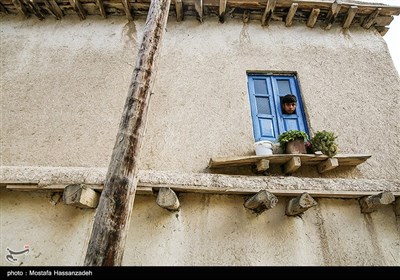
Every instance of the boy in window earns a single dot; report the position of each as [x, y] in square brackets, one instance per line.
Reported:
[289, 104]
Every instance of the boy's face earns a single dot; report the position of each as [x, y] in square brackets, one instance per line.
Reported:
[289, 108]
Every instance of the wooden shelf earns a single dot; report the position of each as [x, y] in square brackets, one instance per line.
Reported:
[291, 162]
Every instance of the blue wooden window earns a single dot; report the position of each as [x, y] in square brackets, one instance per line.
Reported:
[265, 93]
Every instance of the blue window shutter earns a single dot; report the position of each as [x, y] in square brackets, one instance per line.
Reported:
[265, 92]
[263, 109]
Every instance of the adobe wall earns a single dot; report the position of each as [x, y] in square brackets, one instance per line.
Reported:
[63, 87]
[207, 230]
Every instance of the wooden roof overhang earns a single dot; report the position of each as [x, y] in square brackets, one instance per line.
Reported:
[322, 13]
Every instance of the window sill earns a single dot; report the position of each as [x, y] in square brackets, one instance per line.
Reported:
[291, 162]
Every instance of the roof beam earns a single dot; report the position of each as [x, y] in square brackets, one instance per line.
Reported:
[332, 14]
[371, 18]
[20, 8]
[382, 30]
[99, 3]
[54, 9]
[269, 10]
[179, 10]
[3, 9]
[34, 8]
[198, 5]
[312, 19]
[222, 9]
[77, 6]
[350, 16]
[127, 9]
[291, 14]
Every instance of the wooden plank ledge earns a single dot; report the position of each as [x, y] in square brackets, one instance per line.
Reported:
[306, 159]
[34, 178]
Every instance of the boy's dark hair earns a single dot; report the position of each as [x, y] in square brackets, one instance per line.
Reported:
[289, 98]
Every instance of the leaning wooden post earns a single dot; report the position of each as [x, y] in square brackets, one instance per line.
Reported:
[110, 228]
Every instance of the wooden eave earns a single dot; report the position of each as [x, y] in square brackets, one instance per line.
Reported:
[310, 13]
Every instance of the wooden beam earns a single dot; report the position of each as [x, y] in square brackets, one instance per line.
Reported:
[3, 10]
[262, 165]
[261, 201]
[179, 10]
[35, 178]
[222, 9]
[100, 4]
[111, 224]
[78, 8]
[332, 14]
[292, 165]
[127, 9]
[167, 198]
[382, 30]
[367, 23]
[291, 14]
[54, 9]
[299, 204]
[18, 4]
[329, 164]
[198, 6]
[369, 204]
[350, 16]
[309, 159]
[35, 8]
[81, 196]
[269, 10]
[312, 19]
[383, 20]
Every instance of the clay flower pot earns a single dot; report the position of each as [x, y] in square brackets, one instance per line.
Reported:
[296, 147]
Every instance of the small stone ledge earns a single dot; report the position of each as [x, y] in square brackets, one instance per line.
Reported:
[31, 178]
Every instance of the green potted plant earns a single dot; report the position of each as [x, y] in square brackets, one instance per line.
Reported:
[292, 141]
[325, 141]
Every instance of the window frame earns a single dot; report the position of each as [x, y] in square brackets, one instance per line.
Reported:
[280, 122]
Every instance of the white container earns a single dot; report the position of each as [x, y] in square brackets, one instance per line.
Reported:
[263, 148]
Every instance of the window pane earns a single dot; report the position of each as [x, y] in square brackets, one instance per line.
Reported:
[260, 87]
[284, 87]
[263, 106]
[267, 128]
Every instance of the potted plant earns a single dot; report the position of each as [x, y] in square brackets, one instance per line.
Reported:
[325, 141]
[292, 141]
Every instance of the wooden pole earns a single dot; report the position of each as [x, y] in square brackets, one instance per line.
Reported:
[111, 224]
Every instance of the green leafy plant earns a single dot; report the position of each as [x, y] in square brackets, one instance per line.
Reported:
[291, 135]
[325, 141]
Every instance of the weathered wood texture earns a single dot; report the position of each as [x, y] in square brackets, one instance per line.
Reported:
[34, 178]
[261, 201]
[167, 198]
[292, 162]
[299, 204]
[369, 204]
[107, 241]
[292, 165]
[81, 196]
[281, 10]
[262, 165]
[329, 164]
[350, 16]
